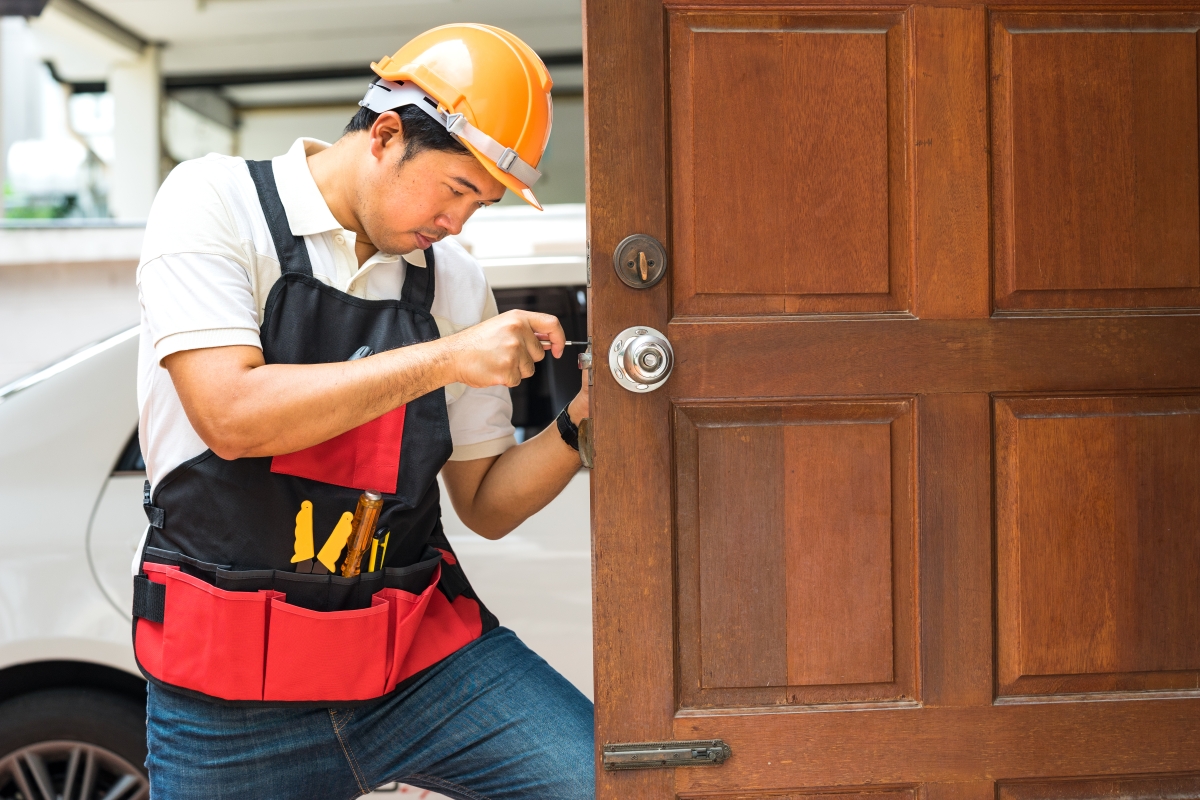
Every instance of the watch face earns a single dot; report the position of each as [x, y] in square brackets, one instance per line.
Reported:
[586, 455]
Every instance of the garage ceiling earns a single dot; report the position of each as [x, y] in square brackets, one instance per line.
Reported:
[226, 37]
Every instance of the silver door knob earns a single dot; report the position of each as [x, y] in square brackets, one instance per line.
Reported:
[641, 359]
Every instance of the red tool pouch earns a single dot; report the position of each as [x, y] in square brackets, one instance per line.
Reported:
[366, 457]
[256, 646]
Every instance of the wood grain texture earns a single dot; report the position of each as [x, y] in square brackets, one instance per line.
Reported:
[890, 4]
[1097, 176]
[970, 790]
[821, 219]
[945, 745]
[839, 553]
[954, 486]
[841, 793]
[950, 163]
[633, 623]
[742, 517]
[829, 97]
[796, 557]
[1098, 543]
[846, 357]
[1176, 787]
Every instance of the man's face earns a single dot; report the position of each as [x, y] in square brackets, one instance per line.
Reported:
[408, 206]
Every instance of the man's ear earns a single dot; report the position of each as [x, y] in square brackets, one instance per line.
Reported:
[388, 131]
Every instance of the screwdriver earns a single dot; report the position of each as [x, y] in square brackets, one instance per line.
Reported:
[547, 344]
[363, 530]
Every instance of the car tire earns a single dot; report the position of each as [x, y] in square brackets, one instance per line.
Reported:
[77, 744]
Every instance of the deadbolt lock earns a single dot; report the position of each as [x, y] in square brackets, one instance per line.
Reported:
[641, 359]
[640, 261]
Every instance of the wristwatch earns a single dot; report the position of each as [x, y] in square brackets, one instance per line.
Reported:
[577, 436]
[568, 430]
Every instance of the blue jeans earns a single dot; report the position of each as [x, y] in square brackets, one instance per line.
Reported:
[492, 722]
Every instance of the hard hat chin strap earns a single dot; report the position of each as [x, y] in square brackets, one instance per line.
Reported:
[384, 95]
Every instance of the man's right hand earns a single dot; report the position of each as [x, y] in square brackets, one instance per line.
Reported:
[502, 350]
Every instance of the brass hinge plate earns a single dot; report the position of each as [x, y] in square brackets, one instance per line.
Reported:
[658, 755]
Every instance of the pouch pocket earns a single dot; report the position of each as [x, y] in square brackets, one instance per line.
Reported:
[328, 592]
[213, 641]
[414, 578]
[445, 628]
[327, 655]
[406, 613]
[366, 457]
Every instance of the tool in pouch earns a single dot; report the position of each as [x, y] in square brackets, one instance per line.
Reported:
[379, 545]
[362, 531]
[357, 530]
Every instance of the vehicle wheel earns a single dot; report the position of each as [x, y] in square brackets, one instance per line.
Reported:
[72, 744]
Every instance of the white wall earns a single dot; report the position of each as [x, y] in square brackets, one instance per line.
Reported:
[268, 132]
[562, 164]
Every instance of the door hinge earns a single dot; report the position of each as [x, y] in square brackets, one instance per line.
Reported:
[652, 755]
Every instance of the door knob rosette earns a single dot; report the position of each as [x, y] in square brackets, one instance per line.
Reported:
[641, 359]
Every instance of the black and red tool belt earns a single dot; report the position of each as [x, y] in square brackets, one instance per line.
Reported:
[237, 644]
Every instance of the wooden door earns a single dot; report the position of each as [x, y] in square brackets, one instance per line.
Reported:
[918, 512]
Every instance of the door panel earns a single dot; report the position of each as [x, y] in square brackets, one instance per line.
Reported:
[1119, 607]
[796, 562]
[866, 794]
[807, 112]
[1096, 175]
[916, 514]
[1180, 788]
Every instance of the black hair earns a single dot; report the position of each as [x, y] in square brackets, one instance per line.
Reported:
[421, 131]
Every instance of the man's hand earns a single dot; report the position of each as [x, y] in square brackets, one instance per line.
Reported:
[502, 350]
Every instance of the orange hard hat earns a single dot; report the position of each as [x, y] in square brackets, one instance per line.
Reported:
[490, 89]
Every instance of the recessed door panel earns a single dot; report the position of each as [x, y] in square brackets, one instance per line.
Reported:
[1096, 172]
[1182, 787]
[807, 110]
[795, 526]
[1098, 543]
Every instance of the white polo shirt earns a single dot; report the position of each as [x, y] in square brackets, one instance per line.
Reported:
[208, 264]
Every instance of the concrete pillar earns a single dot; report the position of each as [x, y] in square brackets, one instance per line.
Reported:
[136, 87]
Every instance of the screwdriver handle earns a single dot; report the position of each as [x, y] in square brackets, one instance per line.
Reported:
[366, 515]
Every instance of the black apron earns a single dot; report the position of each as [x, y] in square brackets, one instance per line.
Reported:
[232, 600]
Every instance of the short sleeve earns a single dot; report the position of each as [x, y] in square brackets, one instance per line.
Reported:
[481, 423]
[193, 280]
[191, 301]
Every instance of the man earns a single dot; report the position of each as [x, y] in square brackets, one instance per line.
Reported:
[297, 376]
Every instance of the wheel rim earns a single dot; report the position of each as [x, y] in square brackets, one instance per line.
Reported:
[64, 770]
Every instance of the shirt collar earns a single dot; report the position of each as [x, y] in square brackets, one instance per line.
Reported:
[307, 212]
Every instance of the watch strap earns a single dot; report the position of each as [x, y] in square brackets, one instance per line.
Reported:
[568, 430]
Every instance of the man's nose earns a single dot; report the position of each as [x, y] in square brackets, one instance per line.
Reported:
[449, 223]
